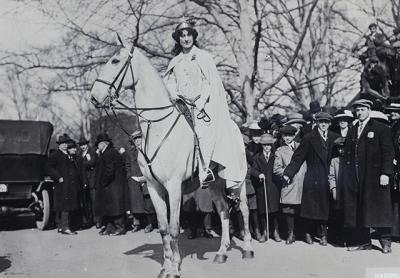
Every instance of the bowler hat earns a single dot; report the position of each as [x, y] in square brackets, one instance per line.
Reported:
[184, 25]
[102, 137]
[267, 139]
[288, 130]
[83, 141]
[362, 102]
[323, 116]
[63, 139]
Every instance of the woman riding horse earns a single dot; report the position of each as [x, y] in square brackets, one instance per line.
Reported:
[193, 76]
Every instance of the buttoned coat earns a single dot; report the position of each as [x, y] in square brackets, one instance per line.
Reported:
[315, 200]
[291, 193]
[111, 182]
[65, 194]
[262, 166]
[367, 158]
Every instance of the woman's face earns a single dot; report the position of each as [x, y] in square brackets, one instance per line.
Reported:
[343, 124]
[186, 40]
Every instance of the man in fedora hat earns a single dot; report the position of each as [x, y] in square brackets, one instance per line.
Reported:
[296, 120]
[62, 169]
[141, 206]
[192, 75]
[264, 184]
[368, 167]
[316, 150]
[110, 179]
[88, 156]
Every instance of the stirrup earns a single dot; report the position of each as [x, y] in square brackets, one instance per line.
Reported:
[208, 179]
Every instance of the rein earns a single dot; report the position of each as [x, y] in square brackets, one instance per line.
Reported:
[114, 97]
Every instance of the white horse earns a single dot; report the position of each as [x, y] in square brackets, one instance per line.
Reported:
[167, 151]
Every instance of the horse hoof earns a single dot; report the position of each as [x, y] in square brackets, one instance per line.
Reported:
[220, 259]
[248, 254]
[162, 273]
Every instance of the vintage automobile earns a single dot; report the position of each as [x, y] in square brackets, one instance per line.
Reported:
[24, 188]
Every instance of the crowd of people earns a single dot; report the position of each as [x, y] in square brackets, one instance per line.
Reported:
[101, 187]
[333, 178]
[327, 175]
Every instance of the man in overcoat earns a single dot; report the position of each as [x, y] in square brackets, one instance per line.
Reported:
[264, 184]
[88, 156]
[110, 179]
[369, 158]
[62, 169]
[394, 110]
[139, 198]
[316, 150]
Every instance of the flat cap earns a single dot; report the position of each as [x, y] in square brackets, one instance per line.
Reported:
[323, 116]
[363, 102]
[288, 130]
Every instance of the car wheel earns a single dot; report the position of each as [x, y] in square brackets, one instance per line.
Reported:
[43, 220]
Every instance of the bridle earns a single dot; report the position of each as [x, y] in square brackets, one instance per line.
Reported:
[113, 97]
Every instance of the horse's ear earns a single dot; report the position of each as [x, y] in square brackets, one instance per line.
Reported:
[119, 40]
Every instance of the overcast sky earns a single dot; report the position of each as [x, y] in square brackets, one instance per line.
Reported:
[21, 25]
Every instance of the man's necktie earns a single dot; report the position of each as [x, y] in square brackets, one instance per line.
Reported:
[360, 128]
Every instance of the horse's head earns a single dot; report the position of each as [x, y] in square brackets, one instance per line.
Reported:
[115, 76]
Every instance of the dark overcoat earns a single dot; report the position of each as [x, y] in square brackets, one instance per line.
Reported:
[65, 194]
[136, 195]
[317, 153]
[110, 179]
[366, 203]
[89, 163]
[262, 166]
[250, 191]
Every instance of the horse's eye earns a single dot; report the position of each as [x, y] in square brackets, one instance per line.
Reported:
[114, 61]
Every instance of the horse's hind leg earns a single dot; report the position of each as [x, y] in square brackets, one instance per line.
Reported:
[248, 252]
[175, 195]
[218, 193]
[158, 198]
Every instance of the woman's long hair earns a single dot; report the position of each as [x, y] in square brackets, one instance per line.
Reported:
[178, 48]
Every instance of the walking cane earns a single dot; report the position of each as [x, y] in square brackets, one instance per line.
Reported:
[266, 207]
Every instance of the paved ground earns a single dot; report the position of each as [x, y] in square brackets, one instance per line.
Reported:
[28, 252]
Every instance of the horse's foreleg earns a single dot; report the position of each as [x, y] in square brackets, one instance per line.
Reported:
[218, 193]
[160, 206]
[175, 195]
[248, 252]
